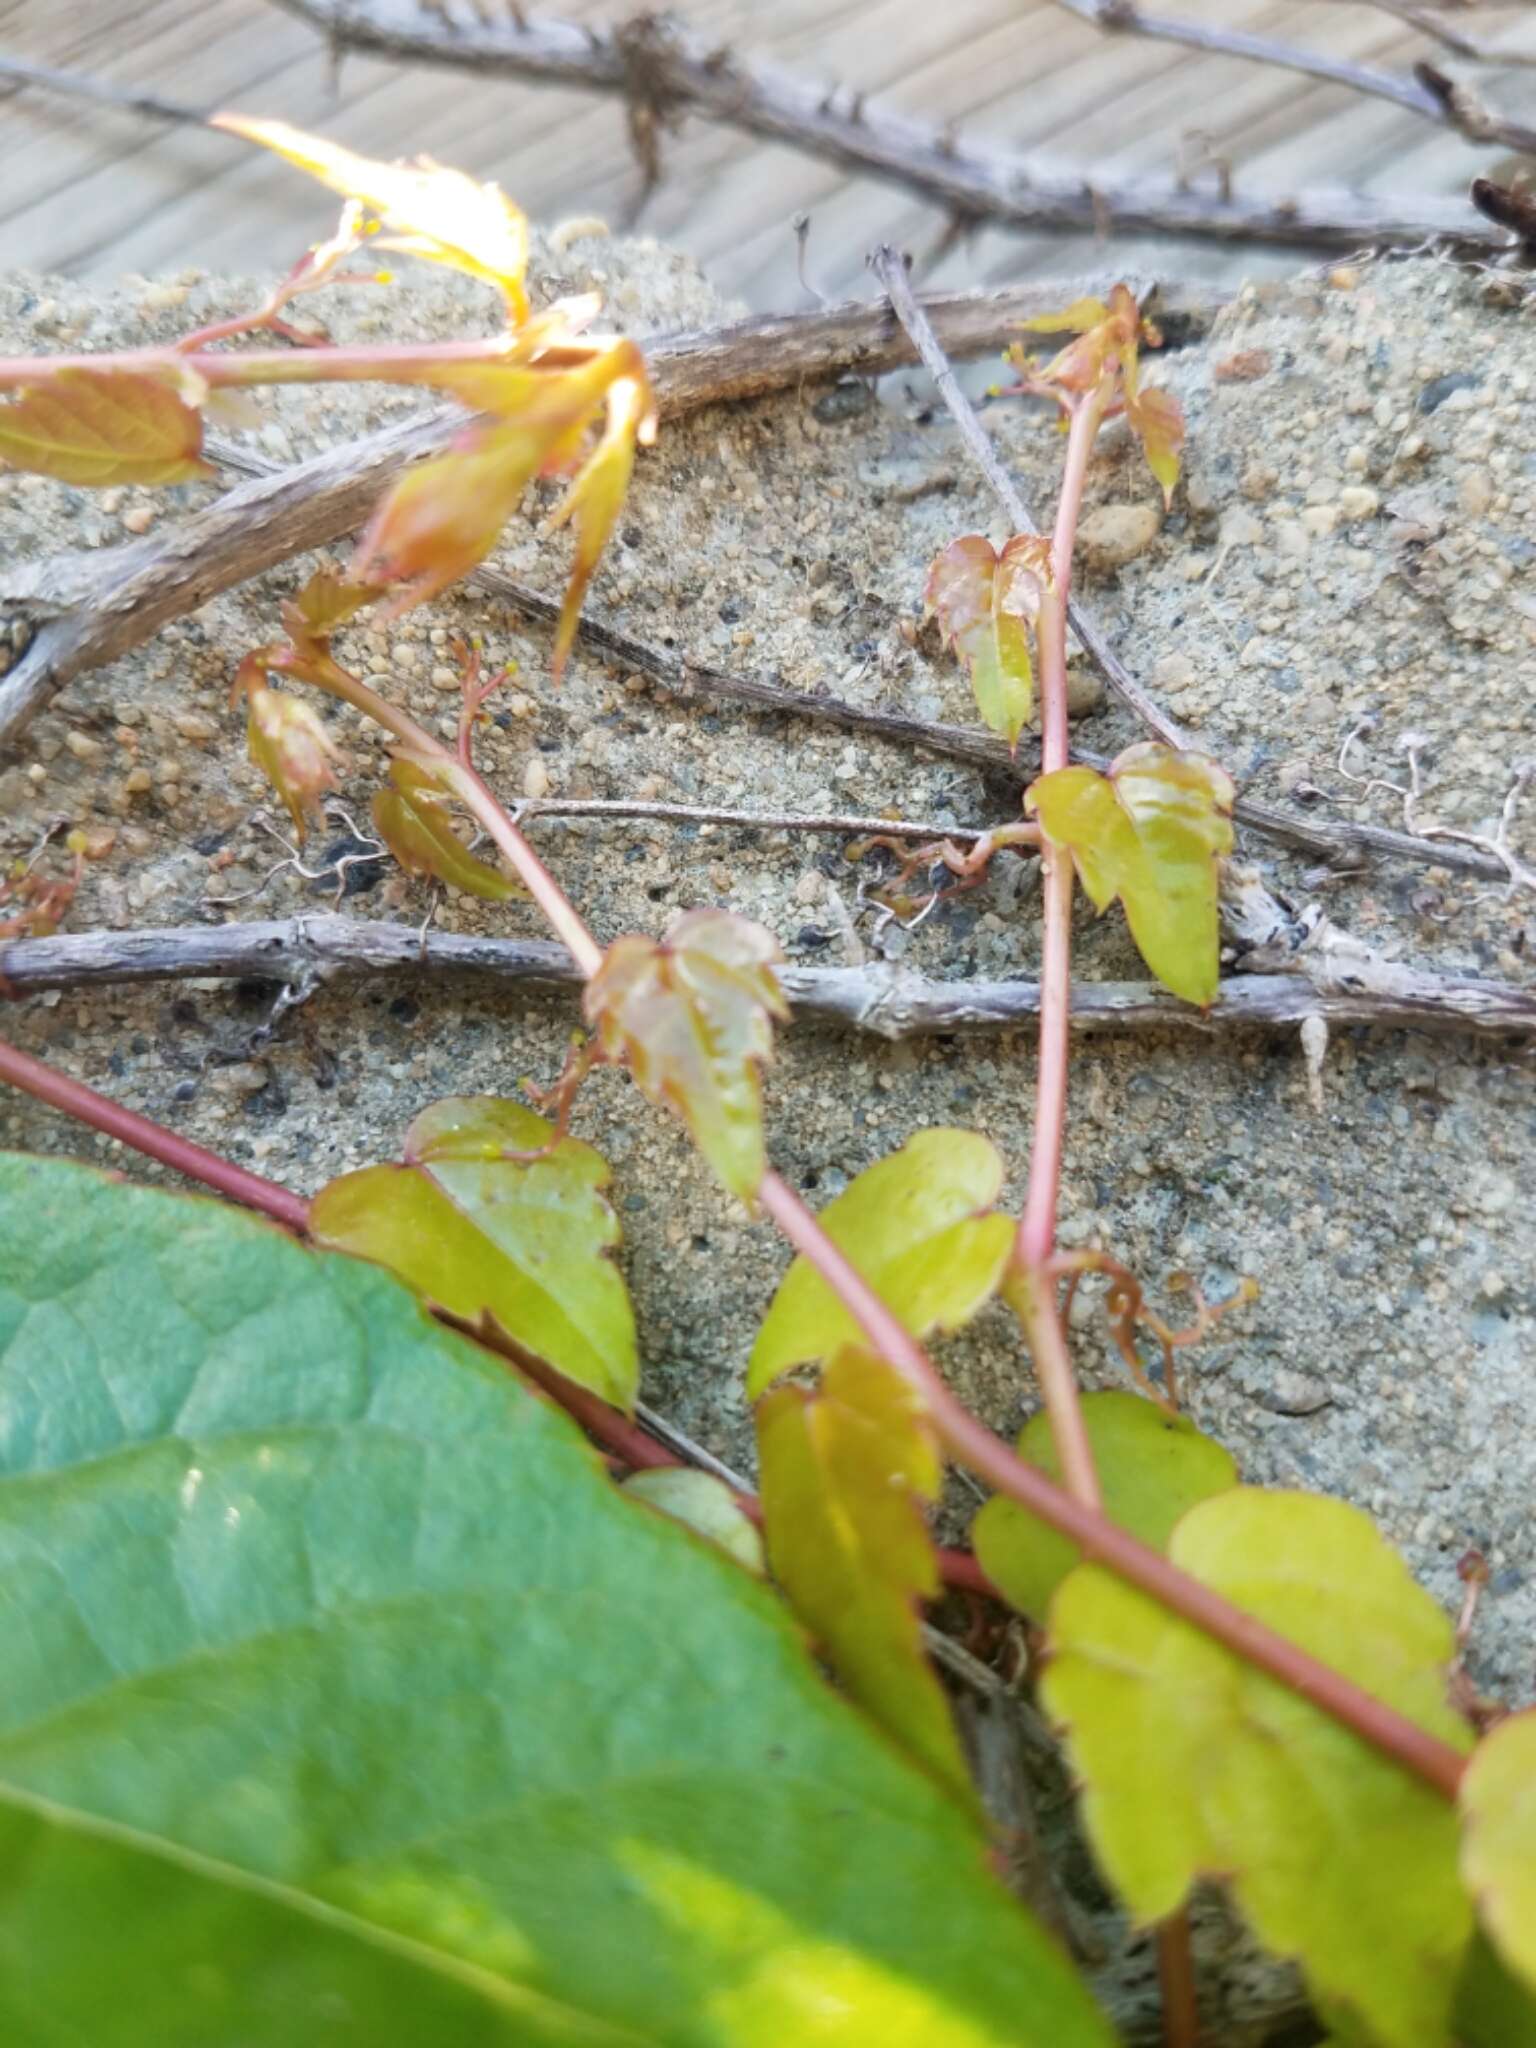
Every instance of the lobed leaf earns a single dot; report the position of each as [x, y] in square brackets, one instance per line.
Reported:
[1152, 1467]
[706, 1505]
[425, 208]
[844, 1476]
[1498, 1854]
[1195, 1764]
[691, 1015]
[986, 604]
[917, 1225]
[411, 819]
[1151, 832]
[90, 426]
[494, 1215]
[290, 744]
[300, 1584]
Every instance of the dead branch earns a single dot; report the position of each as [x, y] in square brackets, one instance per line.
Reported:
[885, 1000]
[665, 70]
[1475, 49]
[75, 85]
[87, 609]
[1423, 91]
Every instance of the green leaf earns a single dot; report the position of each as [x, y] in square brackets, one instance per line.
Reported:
[844, 1475]
[691, 1015]
[297, 1581]
[492, 1215]
[119, 1939]
[1498, 1856]
[704, 1504]
[1197, 1765]
[916, 1226]
[986, 605]
[1492, 2009]
[106, 426]
[411, 820]
[1150, 832]
[1152, 1467]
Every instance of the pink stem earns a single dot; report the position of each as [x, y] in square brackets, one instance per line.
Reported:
[87, 1107]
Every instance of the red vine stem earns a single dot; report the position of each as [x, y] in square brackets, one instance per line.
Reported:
[153, 1140]
[969, 1441]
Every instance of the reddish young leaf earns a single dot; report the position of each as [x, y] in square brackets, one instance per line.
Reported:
[424, 208]
[845, 1475]
[594, 500]
[986, 604]
[1151, 832]
[327, 600]
[1157, 420]
[691, 1016]
[1107, 351]
[89, 426]
[411, 819]
[290, 745]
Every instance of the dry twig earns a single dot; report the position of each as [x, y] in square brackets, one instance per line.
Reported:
[662, 73]
[1423, 91]
[885, 1000]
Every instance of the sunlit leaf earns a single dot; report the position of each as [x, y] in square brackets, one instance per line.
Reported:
[845, 1474]
[412, 820]
[706, 1505]
[425, 208]
[1077, 318]
[491, 1214]
[1157, 420]
[986, 604]
[595, 498]
[692, 1017]
[1152, 833]
[1152, 1467]
[90, 426]
[1498, 1857]
[292, 748]
[918, 1228]
[300, 1585]
[1195, 1764]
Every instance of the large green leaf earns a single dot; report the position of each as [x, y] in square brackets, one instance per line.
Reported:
[297, 1581]
[916, 1226]
[1152, 1466]
[1195, 1764]
[116, 1939]
[491, 1214]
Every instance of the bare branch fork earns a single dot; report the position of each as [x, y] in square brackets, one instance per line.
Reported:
[90, 608]
[886, 1001]
[661, 71]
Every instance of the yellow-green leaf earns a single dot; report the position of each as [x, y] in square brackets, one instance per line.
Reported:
[1498, 1856]
[492, 1215]
[1077, 318]
[594, 500]
[845, 1474]
[1152, 1467]
[692, 1015]
[918, 1228]
[986, 604]
[1196, 1765]
[90, 426]
[411, 820]
[704, 1504]
[1157, 420]
[425, 208]
[327, 600]
[1151, 832]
